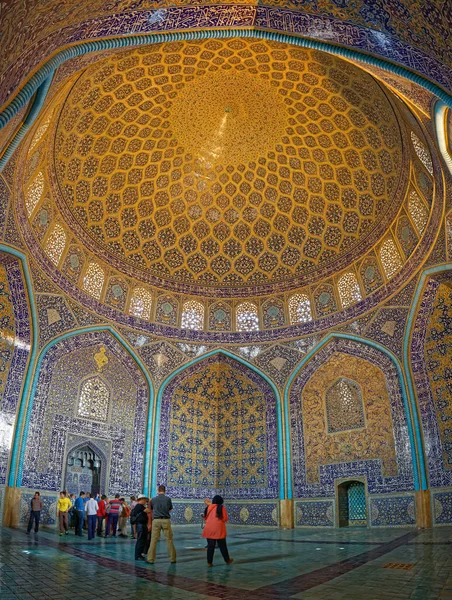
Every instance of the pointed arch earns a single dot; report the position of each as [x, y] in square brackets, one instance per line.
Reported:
[407, 403]
[134, 356]
[97, 450]
[282, 466]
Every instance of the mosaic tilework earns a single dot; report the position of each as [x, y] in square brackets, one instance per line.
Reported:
[242, 403]
[392, 511]
[279, 362]
[48, 513]
[54, 317]
[388, 328]
[4, 204]
[317, 513]
[16, 323]
[245, 513]
[392, 41]
[399, 475]
[442, 507]
[375, 440]
[161, 359]
[64, 366]
[2, 496]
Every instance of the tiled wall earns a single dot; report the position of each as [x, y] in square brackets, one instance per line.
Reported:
[442, 506]
[239, 513]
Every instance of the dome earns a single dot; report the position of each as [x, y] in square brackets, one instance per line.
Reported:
[221, 168]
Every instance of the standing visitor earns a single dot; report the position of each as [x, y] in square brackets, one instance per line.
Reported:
[114, 507]
[91, 512]
[35, 512]
[101, 514]
[79, 508]
[161, 506]
[122, 521]
[139, 519]
[63, 507]
[72, 511]
[133, 531]
[215, 529]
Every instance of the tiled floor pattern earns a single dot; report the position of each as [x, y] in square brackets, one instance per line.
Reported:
[268, 564]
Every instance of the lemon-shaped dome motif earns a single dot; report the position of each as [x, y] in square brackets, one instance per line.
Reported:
[227, 163]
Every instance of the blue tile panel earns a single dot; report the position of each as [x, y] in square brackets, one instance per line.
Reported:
[239, 513]
[317, 513]
[169, 435]
[392, 511]
[48, 513]
[20, 351]
[55, 426]
[440, 475]
[442, 507]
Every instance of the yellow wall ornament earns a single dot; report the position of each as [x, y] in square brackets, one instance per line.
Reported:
[101, 358]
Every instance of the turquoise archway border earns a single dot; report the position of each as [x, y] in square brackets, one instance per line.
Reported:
[281, 471]
[406, 359]
[406, 402]
[40, 81]
[149, 424]
[30, 363]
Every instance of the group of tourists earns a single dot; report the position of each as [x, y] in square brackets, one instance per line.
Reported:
[147, 519]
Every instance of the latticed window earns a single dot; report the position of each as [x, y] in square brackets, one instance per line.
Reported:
[390, 257]
[40, 131]
[93, 400]
[349, 291]
[34, 193]
[192, 315]
[299, 309]
[247, 318]
[141, 303]
[344, 406]
[55, 243]
[418, 211]
[422, 153]
[94, 280]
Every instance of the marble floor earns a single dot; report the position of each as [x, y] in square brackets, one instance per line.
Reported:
[268, 563]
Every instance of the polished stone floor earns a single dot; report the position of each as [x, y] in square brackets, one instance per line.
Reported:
[268, 563]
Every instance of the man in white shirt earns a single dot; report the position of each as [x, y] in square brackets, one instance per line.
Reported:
[91, 512]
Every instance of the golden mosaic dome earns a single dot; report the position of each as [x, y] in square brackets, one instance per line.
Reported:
[227, 163]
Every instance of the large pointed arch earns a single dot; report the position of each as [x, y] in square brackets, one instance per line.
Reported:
[279, 418]
[417, 473]
[416, 305]
[150, 412]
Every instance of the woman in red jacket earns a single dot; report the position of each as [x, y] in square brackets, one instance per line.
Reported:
[215, 517]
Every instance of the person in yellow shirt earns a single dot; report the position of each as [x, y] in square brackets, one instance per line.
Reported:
[63, 506]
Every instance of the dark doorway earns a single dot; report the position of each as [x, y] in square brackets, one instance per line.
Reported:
[83, 471]
[352, 507]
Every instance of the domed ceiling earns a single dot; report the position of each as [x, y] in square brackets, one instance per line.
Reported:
[229, 164]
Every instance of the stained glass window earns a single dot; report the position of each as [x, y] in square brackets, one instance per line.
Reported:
[34, 193]
[246, 317]
[94, 280]
[390, 257]
[418, 211]
[55, 243]
[94, 400]
[349, 291]
[192, 315]
[300, 309]
[141, 303]
[344, 406]
[422, 153]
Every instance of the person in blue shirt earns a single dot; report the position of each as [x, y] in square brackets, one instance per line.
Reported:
[79, 508]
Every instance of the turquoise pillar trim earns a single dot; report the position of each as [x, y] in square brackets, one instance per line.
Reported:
[31, 361]
[147, 452]
[390, 355]
[406, 363]
[28, 122]
[282, 474]
[47, 70]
